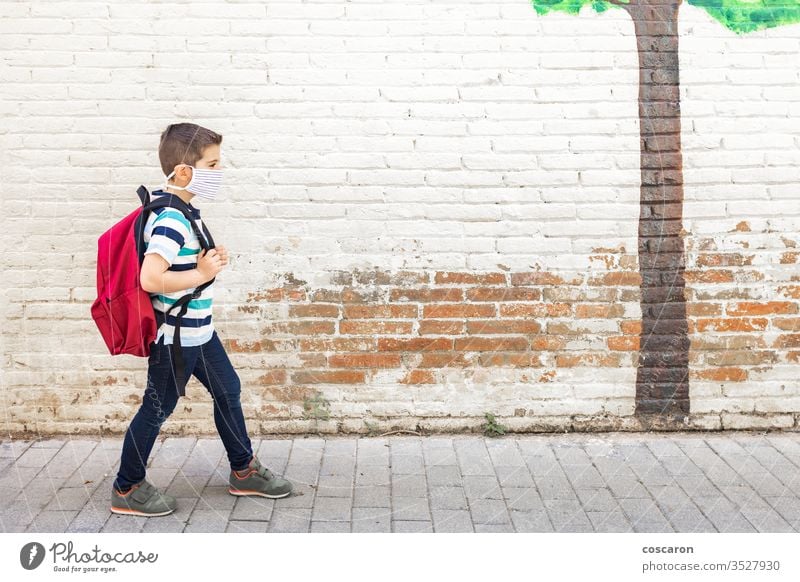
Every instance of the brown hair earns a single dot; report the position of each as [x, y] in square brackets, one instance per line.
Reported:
[183, 143]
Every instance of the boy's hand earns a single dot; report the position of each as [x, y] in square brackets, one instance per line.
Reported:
[211, 262]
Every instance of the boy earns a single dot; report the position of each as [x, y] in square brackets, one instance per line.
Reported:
[175, 265]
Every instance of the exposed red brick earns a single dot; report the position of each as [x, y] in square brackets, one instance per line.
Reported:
[724, 260]
[536, 310]
[366, 326]
[314, 310]
[339, 344]
[414, 344]
[442, 360]
[308, 327]
[479, 344]
[328, 377]
[787, 323]
[427, 295]
[601, 360]
[792, 291]
[752, 308]
[364, 360]
[279, 294]
[694, 309]
[721, 374]
[458, 278]
[547, 343]
[458, 310]
[709, 276]
[509, 359]
[442, 327]
[542, 278]
[731, 324]
[392, 311]
[419, 377]
[606, 310]
[789, 340]
[623, 343]
[504, 326]
[272, 377]
[631, 327]
[503, 294]
[617, 279]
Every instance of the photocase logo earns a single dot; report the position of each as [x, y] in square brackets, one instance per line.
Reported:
[31, 555]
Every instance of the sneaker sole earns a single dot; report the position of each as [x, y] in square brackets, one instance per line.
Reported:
[122, 511]
[244, 492]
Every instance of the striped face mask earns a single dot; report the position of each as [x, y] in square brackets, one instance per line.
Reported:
[204, 183]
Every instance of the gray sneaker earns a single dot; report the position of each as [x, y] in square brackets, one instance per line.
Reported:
[256, 479]
[142, 499]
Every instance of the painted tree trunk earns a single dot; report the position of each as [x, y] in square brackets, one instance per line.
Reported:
[662, 381]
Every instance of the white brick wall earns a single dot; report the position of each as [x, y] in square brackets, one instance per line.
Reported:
[453, 135]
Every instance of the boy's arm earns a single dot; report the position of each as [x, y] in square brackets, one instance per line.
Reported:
[155, 278]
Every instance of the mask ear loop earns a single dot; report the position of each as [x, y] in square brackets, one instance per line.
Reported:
[168, 185]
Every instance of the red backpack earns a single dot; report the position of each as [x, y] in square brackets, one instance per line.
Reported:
[123, 311]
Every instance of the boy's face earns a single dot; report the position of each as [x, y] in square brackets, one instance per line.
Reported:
[210, 160]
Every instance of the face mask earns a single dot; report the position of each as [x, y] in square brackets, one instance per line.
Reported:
[204, 183]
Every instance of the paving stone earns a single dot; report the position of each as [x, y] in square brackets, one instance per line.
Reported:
[409, 486]
[216, 497]
[494, 528]
[331, 509]
[400, 526]
[48, 443]
[69, 498]
[13, 449]
[505, 453]
[482, 487]
[450, 498]
[452, 520]
[335, 486]
[251, 508]
[531, 521]
[574, 482]
[407, 464]
[373, 452]
[301, 496]
[514, 476]
[89, 519]
[307, 452]
[373, 475]
[410, 508]
[599, 500]
[173, 452]
[443, 475]
[488, 511]
[372, 520]
[175, 521]
[117, 523]
[290, 520]
[36, 457]
[208, 520]
[184, 485]
[301, 473]
[609, 521]
[372, 496]
[330, 527]
[235, 526]
[523, 499]
[51, 521]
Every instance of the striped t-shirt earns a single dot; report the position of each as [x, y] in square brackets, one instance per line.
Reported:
[168, 233]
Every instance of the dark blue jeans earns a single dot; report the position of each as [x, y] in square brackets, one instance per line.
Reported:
[210, 365]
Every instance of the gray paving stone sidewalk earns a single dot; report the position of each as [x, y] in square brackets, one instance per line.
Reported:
[599, 482]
